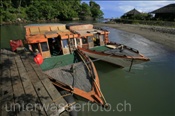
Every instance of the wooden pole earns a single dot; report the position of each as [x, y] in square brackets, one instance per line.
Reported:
[131, 64]
[69, 44]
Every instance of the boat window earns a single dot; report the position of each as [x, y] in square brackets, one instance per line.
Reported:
[96, 36]
[72, 43]
[84, 40]
[44, 46]
[34, 47]
[78, 41]
[101, 37]
[65, 43]
[90, 39]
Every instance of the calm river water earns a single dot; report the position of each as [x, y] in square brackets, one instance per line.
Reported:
[148, 90]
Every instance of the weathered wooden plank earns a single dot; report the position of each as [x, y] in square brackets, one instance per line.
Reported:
[50, 89]
[41, 75]
[43, 96]
[53, 92]
[45, 99]
[6, 100]
[33, 77]
[28, 85]
[30, 90]
[19, 93]
[10, 77]
[26, 64]
[38, 71]
[6, 86]
[36, 104]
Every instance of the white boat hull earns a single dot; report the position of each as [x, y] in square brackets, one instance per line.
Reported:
[123, 62]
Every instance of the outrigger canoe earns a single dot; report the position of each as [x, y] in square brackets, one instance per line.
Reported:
[117, 54]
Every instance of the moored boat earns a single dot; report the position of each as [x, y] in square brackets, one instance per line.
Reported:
[117, 54]
[96, 45]
[67, 67]
[80, 79]
[50, 39]
[89, 36]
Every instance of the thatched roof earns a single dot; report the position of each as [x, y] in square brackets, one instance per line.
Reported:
[166, 9]
[132, 12]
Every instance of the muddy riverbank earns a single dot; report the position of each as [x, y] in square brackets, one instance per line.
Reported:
[162, 35]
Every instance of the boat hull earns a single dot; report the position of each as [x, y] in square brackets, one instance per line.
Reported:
[120, 61]
[80, 78]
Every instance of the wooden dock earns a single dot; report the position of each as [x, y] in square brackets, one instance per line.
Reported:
[25, 89]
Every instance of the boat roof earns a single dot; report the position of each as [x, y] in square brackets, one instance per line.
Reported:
[45, 24]
[88, 32]
[41, 32]
[75, 24]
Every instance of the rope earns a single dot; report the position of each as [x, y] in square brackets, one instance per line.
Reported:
[62, 109]
[73, 73]
[69, 105]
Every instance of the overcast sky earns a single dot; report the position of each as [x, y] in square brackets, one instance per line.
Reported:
[116, 8]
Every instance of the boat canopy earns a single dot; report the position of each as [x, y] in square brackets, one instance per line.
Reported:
[36, 33]
[85, 29]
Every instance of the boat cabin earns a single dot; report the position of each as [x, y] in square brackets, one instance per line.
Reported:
[50, 39]
[88, 35]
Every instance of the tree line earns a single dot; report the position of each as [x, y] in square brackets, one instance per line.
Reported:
[36, 10]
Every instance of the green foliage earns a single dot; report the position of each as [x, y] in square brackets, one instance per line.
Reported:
[146, 22]
[85, 11]
[67, 10]
[7, 16]
[95, 10]
[142, 16]
[34, 10]
[32, 13]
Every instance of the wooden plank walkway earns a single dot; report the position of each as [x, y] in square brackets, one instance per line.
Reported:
[25, 89]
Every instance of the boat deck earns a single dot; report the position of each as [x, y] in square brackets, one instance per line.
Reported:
[23, 83]
[76, 77]
[107, 50]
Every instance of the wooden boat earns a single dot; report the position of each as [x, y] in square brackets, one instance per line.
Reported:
[96, 45]
[50, 39]
[80, 79]
[69, 68]
[89, 36]
[117, 54]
